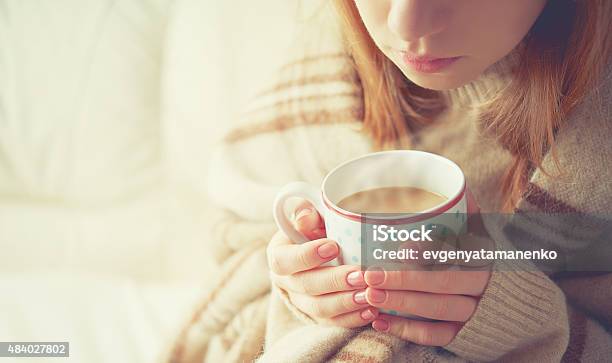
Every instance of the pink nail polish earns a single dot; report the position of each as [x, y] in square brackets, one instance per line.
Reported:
[380, 325]
[303, 213]
[360, 297]
[355, 278]
[367, 315]
[317, 231]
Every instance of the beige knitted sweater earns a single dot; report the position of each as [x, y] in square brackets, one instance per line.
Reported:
[308, 121]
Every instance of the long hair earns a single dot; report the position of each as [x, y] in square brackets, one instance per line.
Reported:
[561, 59]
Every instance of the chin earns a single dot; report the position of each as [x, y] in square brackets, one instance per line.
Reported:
[437, 82]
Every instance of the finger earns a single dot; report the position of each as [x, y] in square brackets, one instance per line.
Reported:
[427, 305]
[308, 222]
[323, 280]
[419, 332]
[440, 282]
[353, 319]
[329, 305]
[448, 248]
[285, 257]
[426, 253]
[419, 248]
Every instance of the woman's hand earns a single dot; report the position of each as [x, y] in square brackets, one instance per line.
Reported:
[449, 296]
[328, 294]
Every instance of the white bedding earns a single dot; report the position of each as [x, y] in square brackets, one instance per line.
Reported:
[104, 319]
[96, 247]
[108, 111]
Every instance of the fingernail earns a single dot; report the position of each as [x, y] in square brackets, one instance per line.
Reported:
[375, 277]
[355, 278]
[318, 231]
[367, 314]
[303, 213]
[360, 297]
[377, 296]
[327, 250]
[380, 325]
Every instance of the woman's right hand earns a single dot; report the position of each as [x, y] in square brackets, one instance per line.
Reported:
[333, 295]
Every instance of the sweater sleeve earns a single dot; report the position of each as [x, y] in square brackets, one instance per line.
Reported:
[519, 307]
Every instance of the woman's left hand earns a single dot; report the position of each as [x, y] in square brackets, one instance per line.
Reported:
[449, 296]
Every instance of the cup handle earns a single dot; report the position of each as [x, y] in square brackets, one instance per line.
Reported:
[300, 190]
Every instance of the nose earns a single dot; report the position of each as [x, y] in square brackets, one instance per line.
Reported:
[414, 19]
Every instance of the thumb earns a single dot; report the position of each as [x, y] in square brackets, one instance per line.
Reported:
[308, 222]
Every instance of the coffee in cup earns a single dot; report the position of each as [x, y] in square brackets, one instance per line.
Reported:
[391, 200]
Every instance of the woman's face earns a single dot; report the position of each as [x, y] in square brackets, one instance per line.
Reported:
[444, 44]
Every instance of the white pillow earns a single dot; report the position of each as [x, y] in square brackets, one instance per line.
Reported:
[80, 144]
[79, 99]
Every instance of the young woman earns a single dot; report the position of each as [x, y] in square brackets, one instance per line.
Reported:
[517, 92]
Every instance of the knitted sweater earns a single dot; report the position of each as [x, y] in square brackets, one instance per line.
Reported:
[307, 122]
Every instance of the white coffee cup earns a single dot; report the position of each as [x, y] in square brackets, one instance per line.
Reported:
[396, 168]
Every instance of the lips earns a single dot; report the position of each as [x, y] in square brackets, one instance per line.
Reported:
[427, 64]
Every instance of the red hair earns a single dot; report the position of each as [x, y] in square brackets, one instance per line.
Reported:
[562, 59]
